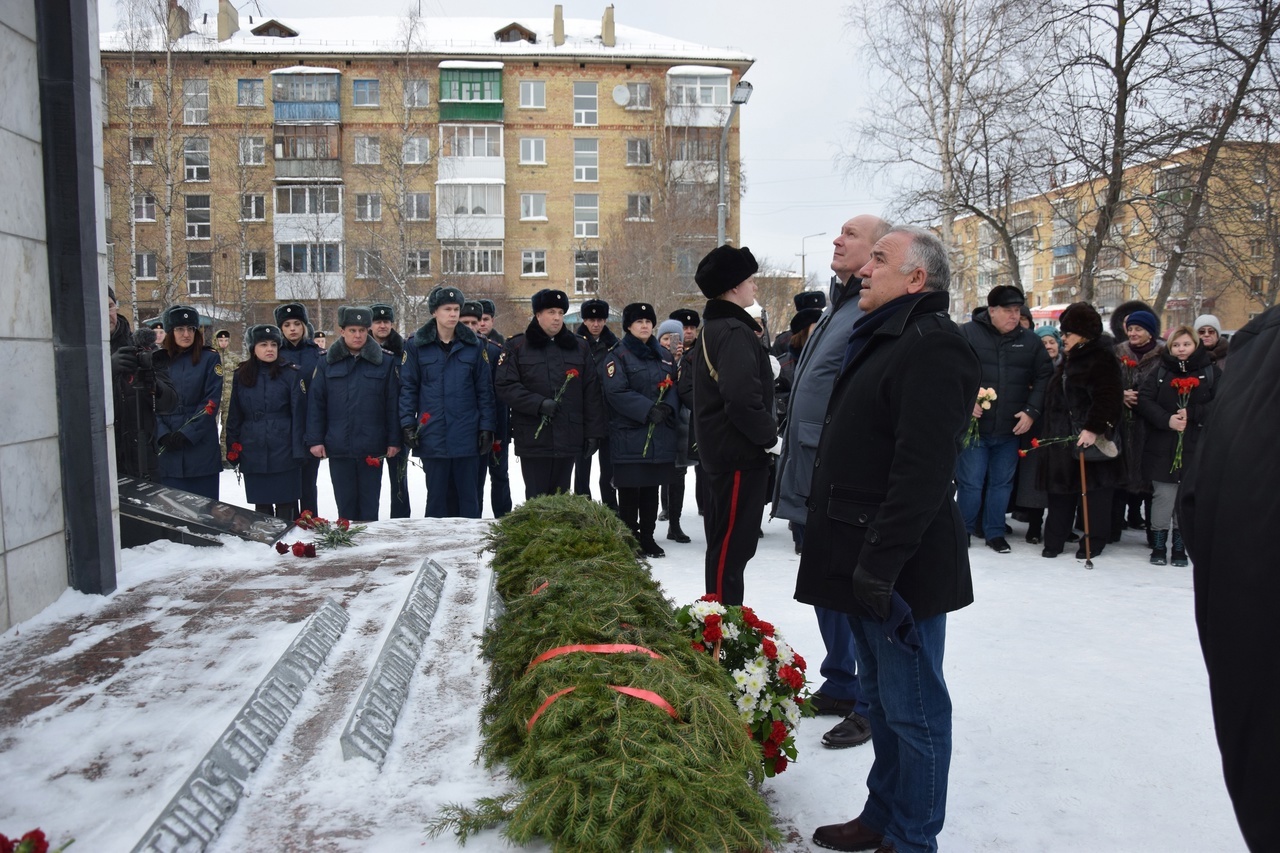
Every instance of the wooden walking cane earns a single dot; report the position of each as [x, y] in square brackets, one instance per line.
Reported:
[1084, 496]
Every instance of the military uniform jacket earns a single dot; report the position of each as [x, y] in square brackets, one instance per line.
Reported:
[532, 369]
[453, 385]
[631, 375]
[267, 420]
[196, 385]
[351, 402]
[883, 490]
[733, 411]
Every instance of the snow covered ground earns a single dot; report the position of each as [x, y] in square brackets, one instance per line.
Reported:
[1081, 707]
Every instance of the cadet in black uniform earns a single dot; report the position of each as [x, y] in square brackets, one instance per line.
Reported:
[600, 338]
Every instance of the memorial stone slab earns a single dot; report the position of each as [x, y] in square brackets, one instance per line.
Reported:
[494, 606]
[150, 511]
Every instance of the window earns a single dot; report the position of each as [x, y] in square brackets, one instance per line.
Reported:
[253, 150]
[366, 93]
[195, 101]
[306, 142]
[1040, 273]
[481, 257]
[309, 258]
[195, 158]
[686, 261]
[417, 93]
[585, 104]
[533, 205]
[368, 207]
[368, 150]
[586, 271]
[586, 215]
[106, 205]
[250, 93]
[471, 199]
[139, 93]
[586, 159]
[1258, 211]
[1257, 248]
[305, 87]
[253, 264]
[417, 206]
[466, 140]
[533, 262]
[699, 91]
[198, 217]
[144, 207]
[533, 151]
[368, 263]
[533, 95]
[142, 150]
[638, 153]
[639, 96]
[253, 207]
[699, 143]
[199, 273]
[470, 85]
[295, 200]
[417, 262]
[639, 206]
[144, 264]
[417, 150]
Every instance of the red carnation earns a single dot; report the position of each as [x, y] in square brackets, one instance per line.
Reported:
[799, 663]
[210, 407]
[712, 619]
[791, 676]
[426, 416]
[236, 446]
[6, 846]
[232, 456]
[282, 548]
[299, 549]
[712, 633]
[309, 551]
[573, 371]
[770, 749]
[779, 733]
[497, 448]
[35, 842]
[769, 648]
[1022, 454]
[344, 524]
[749, 616]
[665, 383]
[711, 596]
[1035, 442]
[765, 628]
[697, 647]
[371, 461]
[780, 764]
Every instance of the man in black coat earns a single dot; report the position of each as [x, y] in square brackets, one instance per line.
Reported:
[384, 334]
[141, 389]
[548, 379]
[884, 541]
[1015, 365]
[1230, 509]
[732, 417]
[600, 338]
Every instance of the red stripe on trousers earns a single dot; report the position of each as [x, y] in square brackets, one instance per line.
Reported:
[724, 546]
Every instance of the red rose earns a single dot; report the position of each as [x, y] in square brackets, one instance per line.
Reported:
[299, 549]
[799, 663]
[769, 648]
[712, 633]
[281, 548]
[310, 550]
[780, 764]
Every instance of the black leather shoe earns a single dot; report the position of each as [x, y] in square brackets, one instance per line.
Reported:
[847, 836]
[828, 706]
[1081, 555]
[1050, 552]
[853, 730]
[999, 545]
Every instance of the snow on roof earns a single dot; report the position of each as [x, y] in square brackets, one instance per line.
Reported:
[458, 36]
[306, 69]
[703, 70]
[476, 66]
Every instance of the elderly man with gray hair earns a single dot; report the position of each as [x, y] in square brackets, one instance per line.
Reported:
[884, 540]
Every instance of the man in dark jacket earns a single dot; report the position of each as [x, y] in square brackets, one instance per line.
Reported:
[805, 300]
[1017, 367]
[884, 541]
[732, 417]
[600, 338]
[141, 389]
[384, 334]
[489, 311]
[548, 378]
[299, 349]
[495, 461]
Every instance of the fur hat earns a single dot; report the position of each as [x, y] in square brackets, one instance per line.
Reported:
[724, 268]
[1005, 294]
[354, 315]
[472, 309]
[670, 327]
[444, 295]
[1207, 320]
[223, 333]
[595, 309]
[488, 306]
[640, 311]
[545, 298]
[1146, 320]
[686, 316]
[290, 311]
[804, 319]
[1123, 310]
[807, 299]
[263, 332]
[180, 315]
[1080, 318]
[382, 311]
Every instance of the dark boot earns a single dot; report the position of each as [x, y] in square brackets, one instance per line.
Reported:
[1159, 539]
[649, 548]
[1179, 550]
[675, 534]
[1035, 530]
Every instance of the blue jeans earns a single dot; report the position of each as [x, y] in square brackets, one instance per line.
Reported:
[910, 713]
[840, 666]
[993, 460]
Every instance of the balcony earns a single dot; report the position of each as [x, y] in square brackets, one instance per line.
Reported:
[695, 171]
[303, 112]
[308, 170]
[451, 110]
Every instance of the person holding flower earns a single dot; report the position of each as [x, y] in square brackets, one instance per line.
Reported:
[300, 349]
[1139, 355]
[1175, 402]
[638, 378]
[547, 377]
[190, 456]
[266, 416]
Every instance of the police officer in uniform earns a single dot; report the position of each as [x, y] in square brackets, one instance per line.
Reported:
[383, 331]
[547, 361]
[299, 349]
[188, 433]
[352, 415]
[497, 456]
[489, 311]
[447, 411]
[600, 338]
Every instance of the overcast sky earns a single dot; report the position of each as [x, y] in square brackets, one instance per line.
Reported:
[808, 90]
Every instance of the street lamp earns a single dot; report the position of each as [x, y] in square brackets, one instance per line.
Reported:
[741, 94]
[804, 278]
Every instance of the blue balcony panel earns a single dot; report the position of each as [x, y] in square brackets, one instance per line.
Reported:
[299, 111]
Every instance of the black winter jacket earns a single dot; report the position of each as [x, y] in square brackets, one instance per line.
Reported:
[1158, 401]
[1016, 365]
[267, 420]
[1085, 393]
[732, 414]
[139, 397]
[599, 346]
[630, 377]
[351, 402]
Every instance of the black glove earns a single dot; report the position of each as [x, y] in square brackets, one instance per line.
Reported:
[175, 441]
[484, 443]
[659, 413]
[591, 446]
[410, 435]
[875, 593]
[548, 408]
[125, 360]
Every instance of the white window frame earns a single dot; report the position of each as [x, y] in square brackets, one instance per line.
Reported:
[639, 152]
[247, 265]
[193, 284]
[417, 263]
[368, 207]
[253, 151]
[640, 96]
[417, 206]
[533, 206]
[586, 160]
[416, 150]
[142, 155]
[698, 90]
[533, 151]
[533, 94]
[256, 205]
[250, 95]
[199, 226]
[417, 93]
[315, 199]
[368, 263]
[195, 101]
[456, 137]
[366, 93]
[144, 204]
[144, 266]
[586, 215]
[586, 103]
[533, 263]
[368, 150]
[471, 257]
[474, 199]
[313, 255]
[582, 259]
[639, 207]
[195, 149]
[140, 93]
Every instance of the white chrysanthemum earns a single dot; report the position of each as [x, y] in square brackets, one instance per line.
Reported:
[753, 683]
[759, 666]
[740, 677]
[746, 706]
[764, 703]
[786, 654]
[791, 711]
[731, 631]
[703, 609]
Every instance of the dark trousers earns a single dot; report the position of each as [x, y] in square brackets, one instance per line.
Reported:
[638, 509]
[700, 489]
[1062, 511]
[546, 475]
[499, 483]
[673, 495]
[284, 512]
[357, 486]
[206, 486]
[582, 476]
[731, 521]
[307, 475]
[398, 474]
[453, 487]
